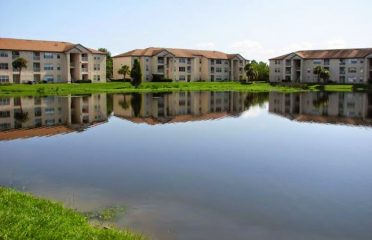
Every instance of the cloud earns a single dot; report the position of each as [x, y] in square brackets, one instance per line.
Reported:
[251, 50]
[337, 43]
[206, 45]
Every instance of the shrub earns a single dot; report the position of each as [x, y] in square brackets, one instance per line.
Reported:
[83, 81]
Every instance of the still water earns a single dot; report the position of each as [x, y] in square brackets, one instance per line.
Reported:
[200, 165]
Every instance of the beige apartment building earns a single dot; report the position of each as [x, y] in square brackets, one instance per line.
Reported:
[183, 65]
[319, 107]
[43, 116]
[50, 61]
[345, 66]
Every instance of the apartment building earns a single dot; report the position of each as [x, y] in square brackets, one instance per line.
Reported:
[183, 65]
[22, 117]
[50, 61]
[345, 66]
[320, 107]
[157, 108]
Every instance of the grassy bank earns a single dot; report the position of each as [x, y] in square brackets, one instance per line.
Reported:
[23, 216]
[65, 89]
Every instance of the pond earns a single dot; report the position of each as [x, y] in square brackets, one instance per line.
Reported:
[199, 165]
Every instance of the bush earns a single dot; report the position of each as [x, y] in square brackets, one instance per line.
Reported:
[121, 80]
[83, 81]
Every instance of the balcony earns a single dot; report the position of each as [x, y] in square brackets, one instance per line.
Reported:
[84, 70]
[84, 59]
[36, 69]
[36, 58]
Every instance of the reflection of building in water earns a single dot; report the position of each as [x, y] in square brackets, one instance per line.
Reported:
[347, 108]
[156, 108]
[35, 116]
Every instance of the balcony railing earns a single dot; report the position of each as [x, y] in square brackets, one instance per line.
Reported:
[287, 72]
[84, 70]
[84, 59]
[36, 69]
[161, 61]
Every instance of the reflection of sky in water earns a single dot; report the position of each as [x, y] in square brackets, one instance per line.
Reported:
[257, 176]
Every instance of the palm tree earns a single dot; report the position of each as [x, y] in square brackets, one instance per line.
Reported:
[250, 72]
[124, 70]
[18, 64]
[325, 74]
[21, 117]
[317, 71]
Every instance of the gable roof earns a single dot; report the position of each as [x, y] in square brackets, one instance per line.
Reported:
[177, 52]
[329, 53]
[39, 45]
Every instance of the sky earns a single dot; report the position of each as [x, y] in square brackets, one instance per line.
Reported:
[257, 29]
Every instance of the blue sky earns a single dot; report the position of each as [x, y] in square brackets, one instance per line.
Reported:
[257, 29]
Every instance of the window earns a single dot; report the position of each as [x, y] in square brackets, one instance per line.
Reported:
[97, 67]
[317, 61]
[182, 69]
[97, 78]
[4, 66]
[49, 110]
[353, 61]
[182, 60]
[342, 61]
[48, 67]
[4, 114]
[58, 67]
[36, 56]
[218, 78]
[212, 61]
[48, 55]
[15, 54]
[58, 56]
[226, 70]
[277, 62]
[49, 78]
[97, 57]
[326, 61]
[352, 70]
[218, 69]
[182, 78]
[218, 61]
[4, 79]
[3, 54]
[4, 101]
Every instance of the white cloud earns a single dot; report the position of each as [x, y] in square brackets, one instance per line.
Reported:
[337, 43]
[206, 46]
[251, 50]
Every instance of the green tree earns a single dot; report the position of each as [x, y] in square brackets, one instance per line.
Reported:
[317, 71]
[19, 63]
[21, 116]
[250, 72]
[262, 70]
[109, 63]
[324, 75]
[136, 73]
[124, 70]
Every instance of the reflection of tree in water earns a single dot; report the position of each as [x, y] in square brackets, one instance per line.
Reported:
[253, 99]
[321, 100]
[136, 103]
[21, 117]
[123, 103]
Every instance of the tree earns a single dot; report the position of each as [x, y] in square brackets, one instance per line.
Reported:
[322, 73]
[124, 70]
[21, 116]
[136, 73]
[109, 63]
[325, 74]
[250, 72]
[19, 63]
[262, 70]
[317, 71]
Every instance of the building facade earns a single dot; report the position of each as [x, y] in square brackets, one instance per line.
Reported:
[344, 65]
[50, 61]
[184, 65]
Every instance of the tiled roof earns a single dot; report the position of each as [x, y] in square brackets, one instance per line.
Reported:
[38, 45]
[187, 53]
[330, 53]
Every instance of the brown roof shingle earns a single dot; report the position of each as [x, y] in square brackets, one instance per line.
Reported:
[330, 53]
[177, 52]
[38, 45]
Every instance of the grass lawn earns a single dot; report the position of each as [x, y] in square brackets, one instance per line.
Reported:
[23, 216]
[84, 88]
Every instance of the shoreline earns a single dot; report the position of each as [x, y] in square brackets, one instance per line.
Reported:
[61, 89]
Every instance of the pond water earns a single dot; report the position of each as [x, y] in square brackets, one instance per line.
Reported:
[200, 165]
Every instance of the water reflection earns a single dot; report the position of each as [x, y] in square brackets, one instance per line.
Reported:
[323, 107]
[22, 117]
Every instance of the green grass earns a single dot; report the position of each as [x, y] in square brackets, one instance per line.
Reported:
[23, 216]
[66, 89]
